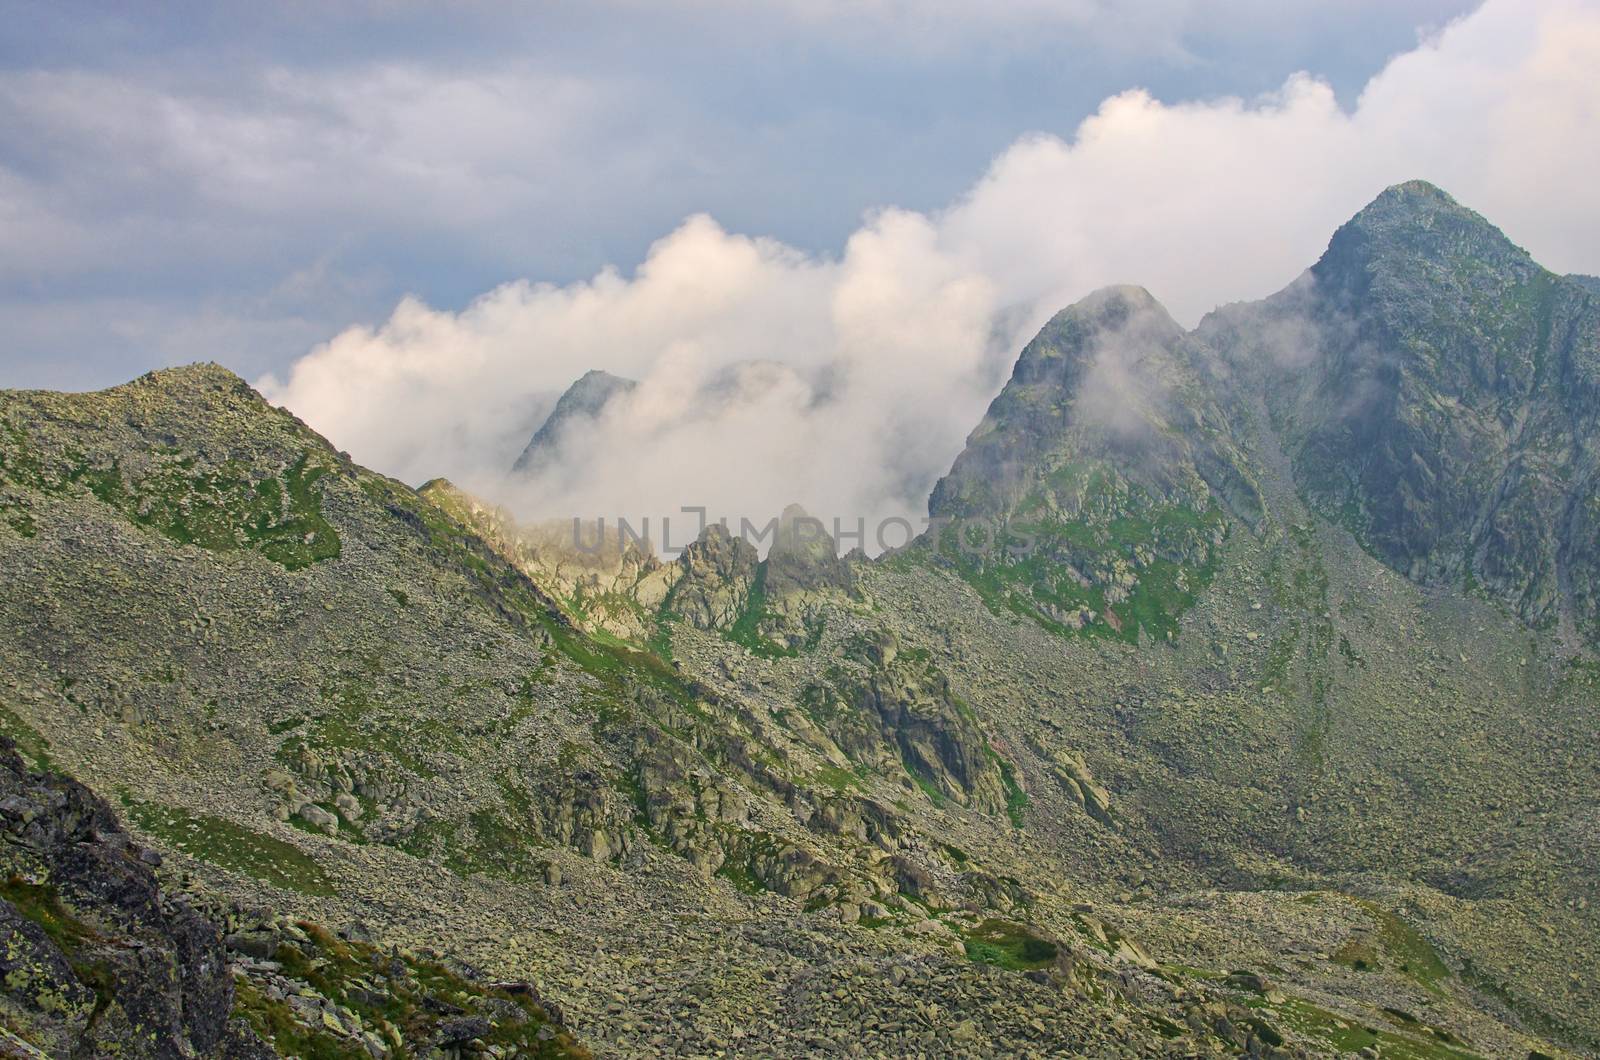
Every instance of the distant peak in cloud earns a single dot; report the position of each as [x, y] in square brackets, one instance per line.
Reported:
[766, 375]
[584, 400]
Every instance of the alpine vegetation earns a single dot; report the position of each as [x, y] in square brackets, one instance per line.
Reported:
[1236, 697]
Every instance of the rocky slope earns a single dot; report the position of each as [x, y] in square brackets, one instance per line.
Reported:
[1191, 766]
[99, 959]
[305, 682]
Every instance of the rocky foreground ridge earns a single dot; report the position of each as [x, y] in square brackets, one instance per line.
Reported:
[99, 959]
[1195, 764]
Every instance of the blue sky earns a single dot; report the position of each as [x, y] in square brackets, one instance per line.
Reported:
[241, 182]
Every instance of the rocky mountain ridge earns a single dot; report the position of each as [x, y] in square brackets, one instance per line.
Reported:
[100, 960]
[1435, 390]
[1192, 766]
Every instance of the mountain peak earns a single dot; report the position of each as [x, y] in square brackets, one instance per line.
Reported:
[801, 535]
[1091, 384]
[1113, 306]
[1130, 294]
[1417, 190]
[589, 394]
[1439, 398]
[1415, 228]
[1414, 203]
[1072, 340]
[174, 396]
[203, 375]
[197, 370]
[584, 399]
[600, 380]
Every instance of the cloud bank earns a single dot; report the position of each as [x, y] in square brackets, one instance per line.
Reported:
[847, 383]
[166, 182]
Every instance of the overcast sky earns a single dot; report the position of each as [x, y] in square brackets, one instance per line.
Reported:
[241, 181]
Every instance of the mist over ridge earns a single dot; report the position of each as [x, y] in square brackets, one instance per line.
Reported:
[848, 383]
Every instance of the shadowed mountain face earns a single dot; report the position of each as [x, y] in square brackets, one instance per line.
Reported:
[1091, 384]
[1096, 491]
[1242, 704]
[1439, 394]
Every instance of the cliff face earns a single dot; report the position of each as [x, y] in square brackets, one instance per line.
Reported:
[1440, 396]
[1096, 491]
[98, 960]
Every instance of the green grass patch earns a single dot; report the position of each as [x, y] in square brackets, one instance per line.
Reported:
[837, 778]
[1395, 946]
[738, 874]
[1412, 954]
[31, 744]
[1006, 944]
[232, 846]
[1342, 1035]
[927, 786]
[1039, 566]
[746, 629]
[1016, 798]
[223, 509]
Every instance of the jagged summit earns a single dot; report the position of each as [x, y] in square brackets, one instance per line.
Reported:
[594, 388]
[1117, 297]
[1114, 301]
[1436, 387]
[584, 399]
[1416, 202]
[1124, 311]
[1439, 393]
[1099, 380]
[1103, 437]
[1415, 191]
[1415, 232]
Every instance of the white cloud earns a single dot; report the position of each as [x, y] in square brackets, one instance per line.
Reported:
[848, 384]
[1227, 199]
[764, 374]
